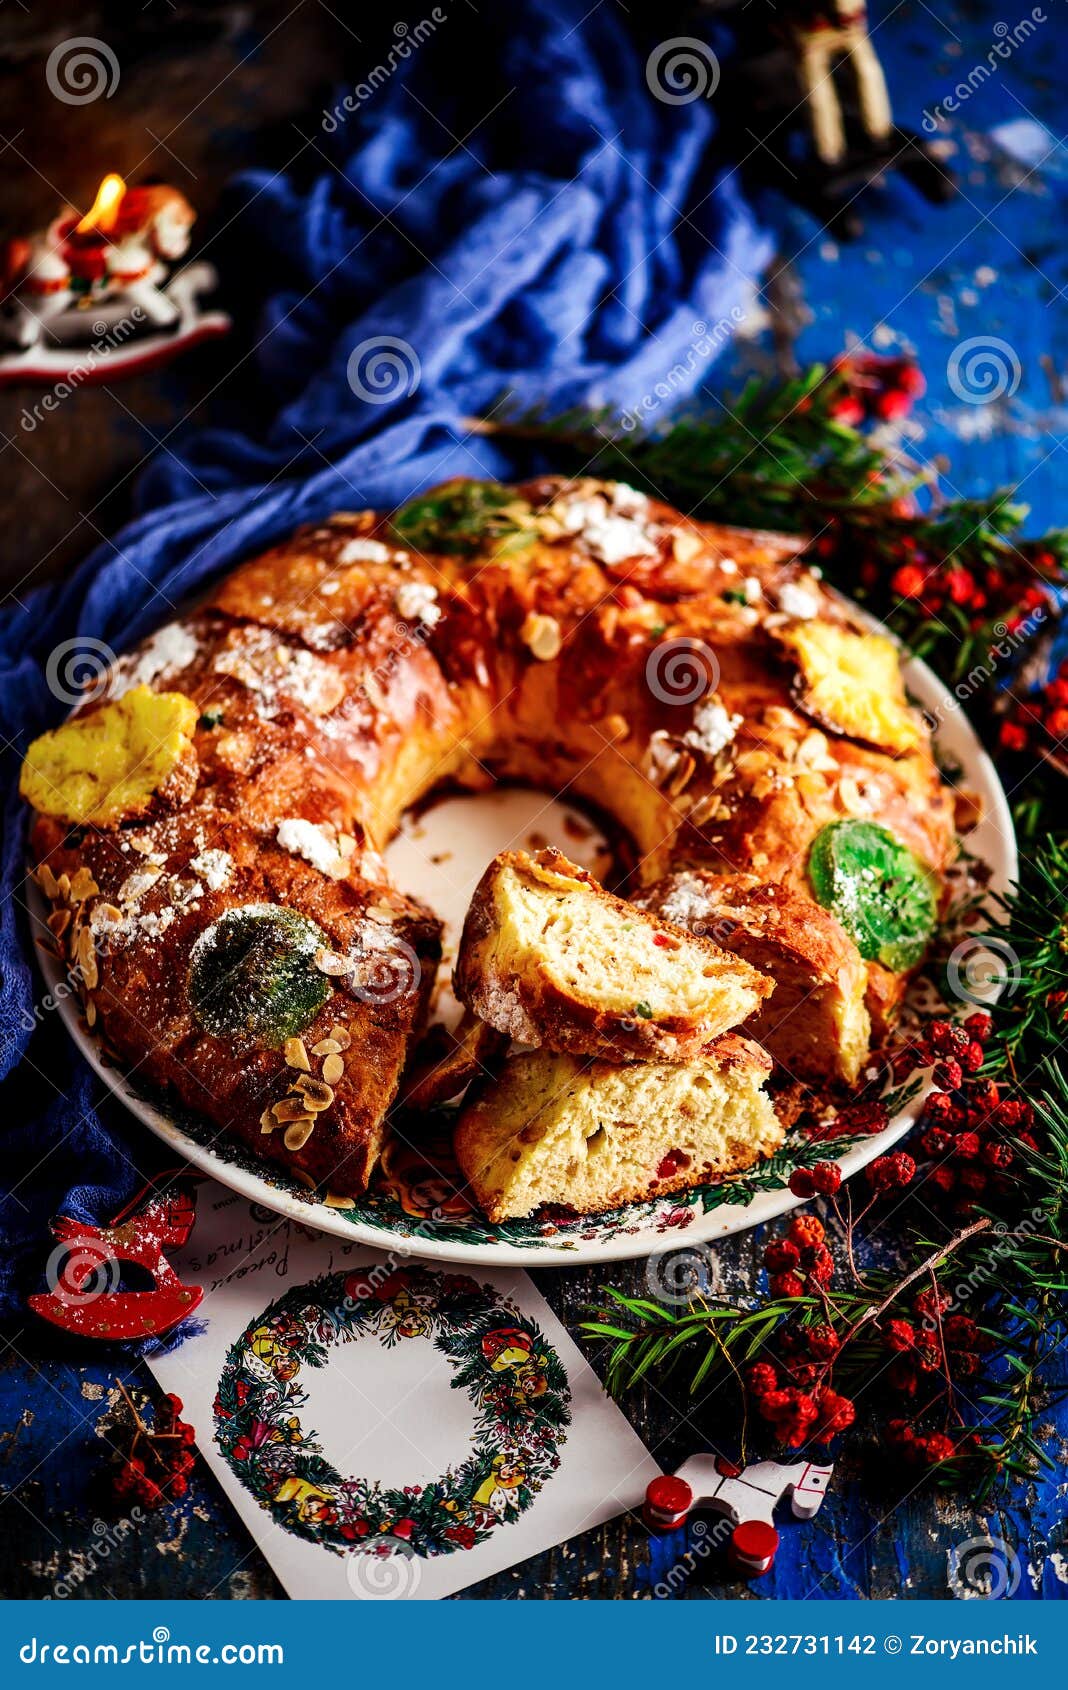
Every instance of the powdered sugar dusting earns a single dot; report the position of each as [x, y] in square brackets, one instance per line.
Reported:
[170, 649]
[713, 728]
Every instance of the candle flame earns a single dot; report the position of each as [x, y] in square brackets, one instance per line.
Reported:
[105, 208]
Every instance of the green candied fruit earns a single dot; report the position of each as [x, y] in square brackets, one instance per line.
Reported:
[884, 896]
[252, 975]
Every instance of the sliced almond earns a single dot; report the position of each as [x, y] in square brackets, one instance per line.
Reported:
[296, 1055]
[90, 1012]
[328, 962]
[325, 1047]
[268, 1121]
[686, 544]
[333, 1068]
[59, 921]
[83, 886]
[48, 883]
[299, 1132]
[86, 953]
[340, 1036]
[305, 1179]
[332, 1201]
[289, 1109]
[63, 886]
[317, 1095]
[541, 635]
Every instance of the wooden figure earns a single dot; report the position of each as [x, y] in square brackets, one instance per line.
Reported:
[85, 1298]
[745, 1496]
[811, 65]
[88, 297]
[830, 36]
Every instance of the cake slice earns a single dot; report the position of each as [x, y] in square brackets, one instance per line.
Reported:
[816, 1025]
[591, 1135]
[550, 958]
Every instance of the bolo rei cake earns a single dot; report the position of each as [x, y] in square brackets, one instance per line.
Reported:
[209, 832]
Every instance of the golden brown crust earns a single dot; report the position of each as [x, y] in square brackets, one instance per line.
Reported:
[816, 1024]
[332, 694]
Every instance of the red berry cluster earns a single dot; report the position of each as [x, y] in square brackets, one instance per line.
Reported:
[1044, 712]
[794, 1394]
[930, 1350]
[923, 1449]
[824, 1179]
[161, 1456]
[891, 1173]
[968, 1121]
[875, 389]
[800, 1261]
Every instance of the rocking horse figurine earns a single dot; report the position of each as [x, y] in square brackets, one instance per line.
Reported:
[744, 1497]
[106, 271]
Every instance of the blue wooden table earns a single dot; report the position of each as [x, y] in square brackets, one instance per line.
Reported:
[990, 269]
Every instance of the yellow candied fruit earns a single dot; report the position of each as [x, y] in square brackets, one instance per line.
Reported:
[108, 765]
[851, 683]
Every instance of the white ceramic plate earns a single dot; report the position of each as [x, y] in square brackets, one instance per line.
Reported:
[415, 1209]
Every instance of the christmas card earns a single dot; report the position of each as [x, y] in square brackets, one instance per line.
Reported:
[388, 1427]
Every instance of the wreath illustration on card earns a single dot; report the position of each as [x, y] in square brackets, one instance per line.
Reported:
[516, 1382]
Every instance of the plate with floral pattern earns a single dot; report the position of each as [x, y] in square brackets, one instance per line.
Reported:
[416, 1205]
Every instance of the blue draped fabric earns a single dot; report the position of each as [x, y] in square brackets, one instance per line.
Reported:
[508, 209]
